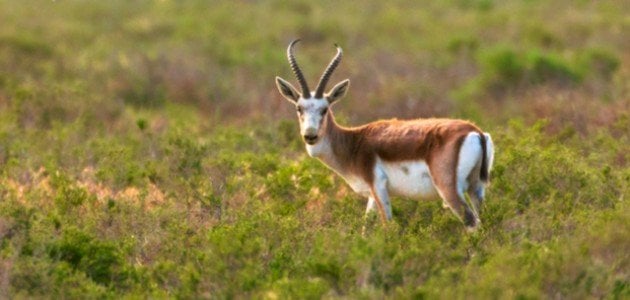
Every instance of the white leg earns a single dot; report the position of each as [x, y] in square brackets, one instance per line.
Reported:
[381, 194]
[476, 196]
[370, 205]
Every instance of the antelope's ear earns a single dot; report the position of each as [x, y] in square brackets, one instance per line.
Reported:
[287, 90]
[338, 91]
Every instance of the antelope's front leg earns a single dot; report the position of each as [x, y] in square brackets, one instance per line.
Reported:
[380, 196]
[371, 204]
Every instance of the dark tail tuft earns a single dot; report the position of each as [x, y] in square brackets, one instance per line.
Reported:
[483, 175]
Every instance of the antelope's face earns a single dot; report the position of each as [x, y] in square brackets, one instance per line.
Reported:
[312, 113]
[312, 107]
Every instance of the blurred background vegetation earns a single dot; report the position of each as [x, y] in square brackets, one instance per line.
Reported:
[145, 151]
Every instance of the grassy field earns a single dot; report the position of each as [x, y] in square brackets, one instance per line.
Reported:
[146, 153]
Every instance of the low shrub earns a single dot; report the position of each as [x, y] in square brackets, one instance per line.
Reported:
[506, 71]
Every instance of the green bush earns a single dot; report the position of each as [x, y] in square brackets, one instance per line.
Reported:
[599, 63]
[100, 261]
[550, 68]
[503, 69]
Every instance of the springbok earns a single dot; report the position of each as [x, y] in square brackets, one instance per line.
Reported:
[419, 158]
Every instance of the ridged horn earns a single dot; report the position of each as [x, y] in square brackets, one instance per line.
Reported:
[306, 93]
[319, 92]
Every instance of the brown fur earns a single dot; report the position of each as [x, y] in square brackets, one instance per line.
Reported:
[436, 141]
[394, 140]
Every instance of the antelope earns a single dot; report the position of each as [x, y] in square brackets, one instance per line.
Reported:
[421, 158]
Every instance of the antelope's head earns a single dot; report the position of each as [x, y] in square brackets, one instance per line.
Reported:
[312, 107]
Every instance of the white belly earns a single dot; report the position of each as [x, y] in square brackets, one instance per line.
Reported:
[409, 179]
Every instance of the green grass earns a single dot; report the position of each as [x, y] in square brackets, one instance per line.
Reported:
[145, 152]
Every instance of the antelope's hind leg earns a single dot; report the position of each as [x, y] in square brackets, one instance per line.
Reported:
[458, 205]
[453, 197]
[476, 193]
[475, 190]
[468, 174]
[451, 186]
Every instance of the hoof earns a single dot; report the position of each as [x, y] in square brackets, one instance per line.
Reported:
[470, 220]
[471, 229]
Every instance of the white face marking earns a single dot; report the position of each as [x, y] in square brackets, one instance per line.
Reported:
[310, 113]
[409, 178]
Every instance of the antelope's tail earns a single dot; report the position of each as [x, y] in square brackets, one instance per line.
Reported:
[487, 148]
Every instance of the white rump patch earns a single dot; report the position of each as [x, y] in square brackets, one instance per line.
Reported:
[409, 178]
[469, 156]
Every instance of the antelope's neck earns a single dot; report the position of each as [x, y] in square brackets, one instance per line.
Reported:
[333, 149]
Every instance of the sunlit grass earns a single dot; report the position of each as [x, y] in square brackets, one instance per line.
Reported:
[144, 150]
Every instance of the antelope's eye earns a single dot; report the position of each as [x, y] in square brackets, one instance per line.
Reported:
[299, 110]
[324, 111]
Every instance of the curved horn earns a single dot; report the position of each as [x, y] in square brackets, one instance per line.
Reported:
[306, 93]
[319, 92]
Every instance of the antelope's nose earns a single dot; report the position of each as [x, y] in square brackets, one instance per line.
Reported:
[310, 138]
